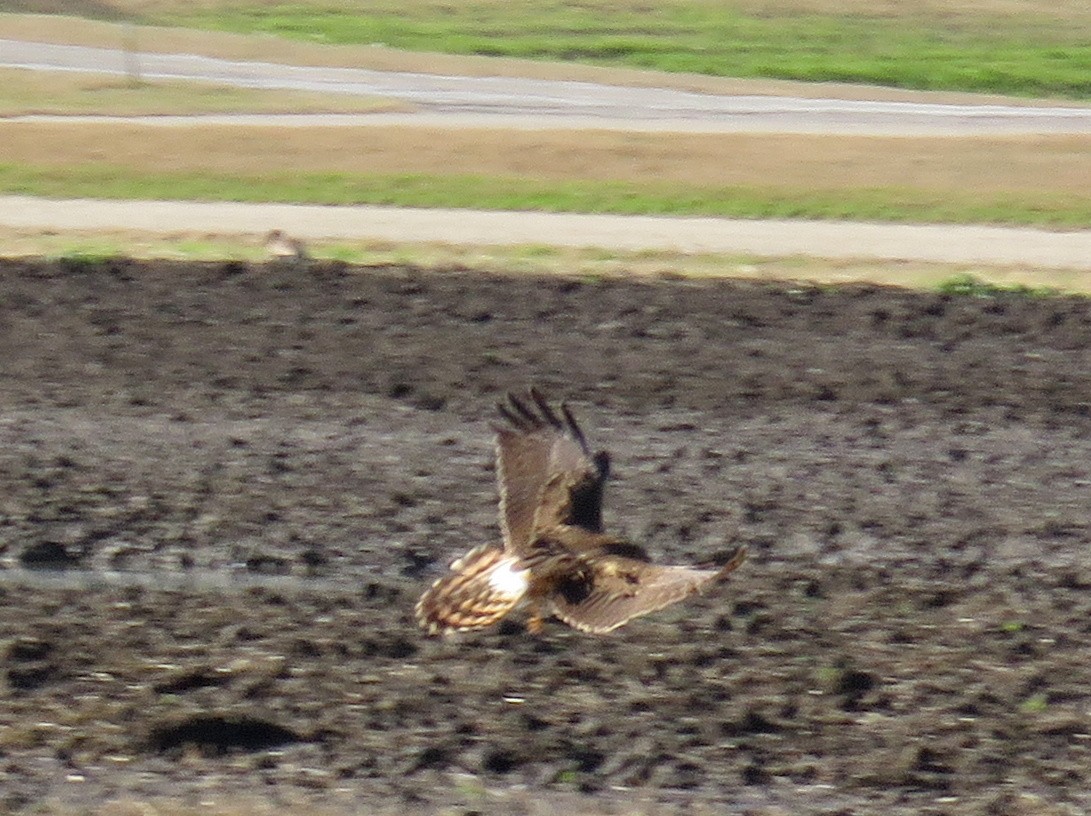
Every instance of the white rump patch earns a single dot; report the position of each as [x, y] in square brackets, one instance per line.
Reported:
[508, 581]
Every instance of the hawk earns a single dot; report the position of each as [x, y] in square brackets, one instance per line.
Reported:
[555, 556]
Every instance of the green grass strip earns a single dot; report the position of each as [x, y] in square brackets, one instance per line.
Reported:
[489, 193]
[1018, 53]
[973, 286]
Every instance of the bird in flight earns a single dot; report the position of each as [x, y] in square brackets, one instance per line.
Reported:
[555, 556]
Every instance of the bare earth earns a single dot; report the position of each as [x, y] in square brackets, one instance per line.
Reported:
[909, 470]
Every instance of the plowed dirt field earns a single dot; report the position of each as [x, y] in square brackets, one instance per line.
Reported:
[222, 488]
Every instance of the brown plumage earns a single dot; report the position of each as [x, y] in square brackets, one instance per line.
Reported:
[282, 247]
[555, 554]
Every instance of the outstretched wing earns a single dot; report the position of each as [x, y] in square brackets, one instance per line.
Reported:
[615, 590]
[482, 587]
[545, 471]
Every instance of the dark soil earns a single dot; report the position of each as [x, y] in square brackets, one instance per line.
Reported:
[222, 488]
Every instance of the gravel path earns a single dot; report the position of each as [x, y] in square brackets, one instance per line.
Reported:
[945, 244]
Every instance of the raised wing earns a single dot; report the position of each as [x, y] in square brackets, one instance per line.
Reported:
[616, 589]
[545, 471]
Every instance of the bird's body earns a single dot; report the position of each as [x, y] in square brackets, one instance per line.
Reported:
[555, 555]
[282, 247]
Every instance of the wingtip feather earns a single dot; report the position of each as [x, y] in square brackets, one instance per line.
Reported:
[733, 563]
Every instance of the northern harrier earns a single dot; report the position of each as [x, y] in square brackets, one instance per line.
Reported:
[555, 555]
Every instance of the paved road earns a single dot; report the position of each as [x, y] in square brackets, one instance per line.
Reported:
[566, 103]
[950, 244]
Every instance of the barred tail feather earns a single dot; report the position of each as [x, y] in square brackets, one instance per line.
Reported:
[481, 588]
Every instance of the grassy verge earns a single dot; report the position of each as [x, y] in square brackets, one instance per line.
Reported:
[226, 45]
[979, 281]
[1033, 180]
[493, 193]
[26, 92]
[970, 285]
[1034, 50]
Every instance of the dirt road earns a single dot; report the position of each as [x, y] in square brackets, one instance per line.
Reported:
[910, 471]
[950, 244]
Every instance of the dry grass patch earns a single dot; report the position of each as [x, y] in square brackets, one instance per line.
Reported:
[962, 166]
[26, 92]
